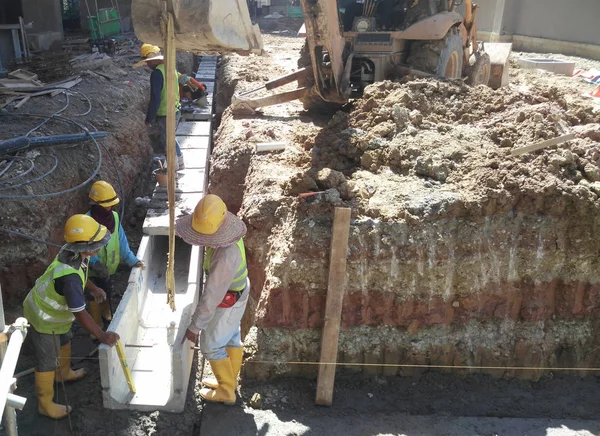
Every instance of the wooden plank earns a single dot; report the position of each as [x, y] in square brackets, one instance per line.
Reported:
[16, 43]
[64, 84]
[333, 305]
[22, 102]
[543, 144]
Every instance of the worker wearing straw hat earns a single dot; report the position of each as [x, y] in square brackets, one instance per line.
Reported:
[223, 301]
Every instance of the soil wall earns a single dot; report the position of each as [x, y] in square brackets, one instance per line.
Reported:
[460, 254]
[118, 109]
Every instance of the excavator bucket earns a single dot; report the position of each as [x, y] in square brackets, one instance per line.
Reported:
[499, 55]
[222, 26]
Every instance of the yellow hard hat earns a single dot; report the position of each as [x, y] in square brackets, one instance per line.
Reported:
[103, 194]
[209, 214]
[84, 229]
[147, 49]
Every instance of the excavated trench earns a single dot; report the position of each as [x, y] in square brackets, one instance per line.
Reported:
[459, 254]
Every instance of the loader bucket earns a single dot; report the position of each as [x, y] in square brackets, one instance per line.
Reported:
[499, 55]
[200, 25]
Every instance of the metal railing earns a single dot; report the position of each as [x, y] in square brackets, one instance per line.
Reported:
[11, 340]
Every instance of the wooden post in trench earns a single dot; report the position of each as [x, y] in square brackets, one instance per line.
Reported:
[170, 70]
[333, 305]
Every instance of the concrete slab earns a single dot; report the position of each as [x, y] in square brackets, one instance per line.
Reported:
[194, 142]
[555, 66]
[157, 219]
[161, 372]
[189, 181]
[203, 114]
[195, 158]
[193, 129]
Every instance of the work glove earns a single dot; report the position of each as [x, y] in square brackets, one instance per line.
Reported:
[193, 83]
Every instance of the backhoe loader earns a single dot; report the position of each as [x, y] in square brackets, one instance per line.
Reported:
[349, 44]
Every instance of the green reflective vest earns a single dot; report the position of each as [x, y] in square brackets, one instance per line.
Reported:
[239, 282]
[44, 308]
[110, 254]
[162, 109]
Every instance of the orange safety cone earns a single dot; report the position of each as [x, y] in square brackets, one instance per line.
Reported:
[596, 92]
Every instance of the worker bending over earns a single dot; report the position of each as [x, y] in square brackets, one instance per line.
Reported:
[223, 301]
[157, 108]
[55, 301]
[104, 265]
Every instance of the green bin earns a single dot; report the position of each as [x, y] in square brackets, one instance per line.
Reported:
[105, 24]
[294, 12]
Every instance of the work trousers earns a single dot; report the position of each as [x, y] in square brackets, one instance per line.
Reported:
[162, 128]
[223, 330]
[46, 346]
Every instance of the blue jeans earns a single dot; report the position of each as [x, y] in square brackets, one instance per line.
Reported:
[162, 128]
[223, 330]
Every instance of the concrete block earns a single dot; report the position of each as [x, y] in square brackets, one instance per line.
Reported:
[157, 220]
[161, 371]
[194, 143]
[499, 59]
[189, 181]
[45, 41]
[194, 129]
[199, 114]
[555, 66]
[196, 159]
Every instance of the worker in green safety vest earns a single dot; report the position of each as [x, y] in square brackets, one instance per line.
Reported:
[54, 302]
[225, 295]
[157, 107]
[104, 265]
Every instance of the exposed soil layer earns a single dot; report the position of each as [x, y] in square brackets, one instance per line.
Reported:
[460, 254]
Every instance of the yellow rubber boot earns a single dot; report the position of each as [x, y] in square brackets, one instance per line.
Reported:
[64, 372]
[96, 314]
[236, 355]
[225, 391]
[105, 310]
[44, 389]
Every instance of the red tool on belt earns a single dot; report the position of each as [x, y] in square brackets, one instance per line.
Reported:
[230, 299]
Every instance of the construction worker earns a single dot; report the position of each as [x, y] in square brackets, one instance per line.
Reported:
[157, 108]
[104, 265]
[223, 301]
[54, 302]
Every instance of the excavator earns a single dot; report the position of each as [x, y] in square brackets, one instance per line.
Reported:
[349, 44]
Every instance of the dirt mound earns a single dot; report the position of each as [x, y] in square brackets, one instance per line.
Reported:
[454, 141]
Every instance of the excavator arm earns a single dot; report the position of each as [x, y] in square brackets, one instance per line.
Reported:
[326, 43]
[222, 26]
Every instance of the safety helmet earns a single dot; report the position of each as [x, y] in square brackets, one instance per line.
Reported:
[209, 214]
[103, 194]
[146, 50]
[84, 233]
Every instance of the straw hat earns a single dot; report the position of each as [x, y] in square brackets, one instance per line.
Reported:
[211, 224]
[149, 52]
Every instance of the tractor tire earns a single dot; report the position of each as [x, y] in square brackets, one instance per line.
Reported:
[443, 58]
[313, 102]
[479, 69]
